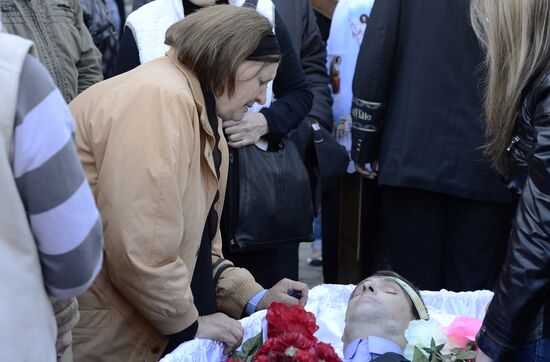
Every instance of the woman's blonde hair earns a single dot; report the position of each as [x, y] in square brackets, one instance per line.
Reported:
[516, 37]
[214, 41]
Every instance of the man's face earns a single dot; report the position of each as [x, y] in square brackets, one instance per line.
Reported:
[380, 300]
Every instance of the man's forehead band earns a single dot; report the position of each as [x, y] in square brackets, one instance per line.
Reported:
[417, 301]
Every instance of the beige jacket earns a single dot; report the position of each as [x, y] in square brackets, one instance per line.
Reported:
[146, 147]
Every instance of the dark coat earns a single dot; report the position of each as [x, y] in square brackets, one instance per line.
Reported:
[390, 357]
[520, 309]
[100, 23]
[422, 59]
[304, 33]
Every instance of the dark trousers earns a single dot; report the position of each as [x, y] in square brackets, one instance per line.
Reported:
[330, 222]
[441, 241]
[268, 266]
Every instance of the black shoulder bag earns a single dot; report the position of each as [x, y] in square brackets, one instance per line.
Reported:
[268, 198]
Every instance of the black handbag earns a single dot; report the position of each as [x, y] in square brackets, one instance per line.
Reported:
[268, 198]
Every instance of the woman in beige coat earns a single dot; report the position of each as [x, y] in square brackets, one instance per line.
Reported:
[154, 153]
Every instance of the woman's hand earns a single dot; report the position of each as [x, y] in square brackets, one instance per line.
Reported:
[220, 327]
[280, 293]
[247, 131]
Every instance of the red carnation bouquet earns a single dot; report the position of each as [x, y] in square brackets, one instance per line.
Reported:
[290, 338]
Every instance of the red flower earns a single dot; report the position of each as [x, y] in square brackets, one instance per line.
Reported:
[308, 355]
[284, 344]
[294, 319]
[326, 353]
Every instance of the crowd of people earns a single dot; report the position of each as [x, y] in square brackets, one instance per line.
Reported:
[125, 142]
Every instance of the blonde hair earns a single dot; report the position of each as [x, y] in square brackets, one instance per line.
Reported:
[215, 40]
[516, 37]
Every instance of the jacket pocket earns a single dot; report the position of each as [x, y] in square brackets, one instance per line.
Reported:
[63, 11]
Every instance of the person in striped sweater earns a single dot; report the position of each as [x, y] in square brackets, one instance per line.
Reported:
[57, 201]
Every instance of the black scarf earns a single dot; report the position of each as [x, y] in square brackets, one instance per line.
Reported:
[189, 8]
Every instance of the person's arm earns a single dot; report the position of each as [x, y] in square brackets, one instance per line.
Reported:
[373, 78]
[294, 98]
[89, 63]
[313, 58]
[524, 282]
[238, 294]
[128, 54]
[62, 213]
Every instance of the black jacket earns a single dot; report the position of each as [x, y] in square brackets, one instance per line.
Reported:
[520, 309]
[100, 23]
[293, 95]
[390, 357]
[302, 27]
[418, 75]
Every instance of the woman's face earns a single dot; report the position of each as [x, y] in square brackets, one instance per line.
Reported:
[203, 3]
[250, 87]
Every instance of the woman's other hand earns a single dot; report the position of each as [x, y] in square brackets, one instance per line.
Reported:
[220, 327]
[246, 131]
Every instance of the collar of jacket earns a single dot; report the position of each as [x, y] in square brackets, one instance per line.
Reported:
[196, 89]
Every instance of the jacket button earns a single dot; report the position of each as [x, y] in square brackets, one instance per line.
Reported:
[155, 350]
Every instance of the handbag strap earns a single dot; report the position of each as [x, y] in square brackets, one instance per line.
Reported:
[253, 3]
[314, 134]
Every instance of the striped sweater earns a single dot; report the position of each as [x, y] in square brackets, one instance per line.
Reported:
[58, 200]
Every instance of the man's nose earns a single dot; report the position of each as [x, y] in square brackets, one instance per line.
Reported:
[369, 287]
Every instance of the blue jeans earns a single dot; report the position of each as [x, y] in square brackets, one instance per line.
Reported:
[317, 234]
[538, 351]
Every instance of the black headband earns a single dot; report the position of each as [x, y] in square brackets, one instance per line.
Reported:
[268, 46]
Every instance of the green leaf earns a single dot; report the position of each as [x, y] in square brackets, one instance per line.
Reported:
[419, 356]
[253, 345]
[240, 355]
[440, 347]
[432, 344]
[463, 354]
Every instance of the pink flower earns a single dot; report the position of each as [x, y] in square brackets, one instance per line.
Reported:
[462, 330]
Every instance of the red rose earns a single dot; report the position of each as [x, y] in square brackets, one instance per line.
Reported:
[326, 352]
[282, 319]
[284, 342]
[308, 355]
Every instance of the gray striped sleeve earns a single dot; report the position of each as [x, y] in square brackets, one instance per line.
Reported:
[75, 261]
[32, 90]
[52, 183]
[58, 200]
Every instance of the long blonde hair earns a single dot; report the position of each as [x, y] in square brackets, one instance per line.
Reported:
[516, 37]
